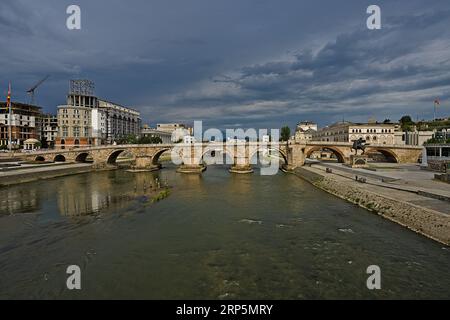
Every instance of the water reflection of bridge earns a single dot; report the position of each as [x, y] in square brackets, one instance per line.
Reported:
[99, 193]
[241, 155]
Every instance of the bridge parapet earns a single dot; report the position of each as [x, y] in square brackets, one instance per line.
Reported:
[241, 153]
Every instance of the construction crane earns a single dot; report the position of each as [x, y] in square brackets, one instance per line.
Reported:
[31, 91]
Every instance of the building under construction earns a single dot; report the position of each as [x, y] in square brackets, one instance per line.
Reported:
[25, 124]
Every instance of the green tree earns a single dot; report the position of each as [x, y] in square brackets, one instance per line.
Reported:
[129, 139]
[149, 140]
[386, 121]
[285, 133]
[44, 143]
[406, 122]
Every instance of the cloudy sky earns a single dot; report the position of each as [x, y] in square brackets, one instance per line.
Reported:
[246, 63]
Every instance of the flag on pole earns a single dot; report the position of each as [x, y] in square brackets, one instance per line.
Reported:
[436, 103]
[8, 104]
[8, 98]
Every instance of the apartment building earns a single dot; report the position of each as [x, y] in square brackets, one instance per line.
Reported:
[89, 121]
[24, 122]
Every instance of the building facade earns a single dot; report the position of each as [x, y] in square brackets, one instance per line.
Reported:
[49, 129]
[306, 125]
[165, 137]
[24, 122]
[89, 121]
[305, 131]
[413, 138]
[118, 121]
[375, 133]
[177, 130]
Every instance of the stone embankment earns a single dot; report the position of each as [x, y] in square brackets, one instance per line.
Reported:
[425, 221]
[33, 174]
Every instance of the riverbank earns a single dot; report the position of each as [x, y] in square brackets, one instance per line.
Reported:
[40, 173]
[429, 217]
[28, 173]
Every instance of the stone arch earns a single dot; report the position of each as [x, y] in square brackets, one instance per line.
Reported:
[225, 152]
[81, 157]
[281, 152]
[390, 155]
[39, 158]
[59, 158]
[338, 153]
[157, 154]
[112, 157]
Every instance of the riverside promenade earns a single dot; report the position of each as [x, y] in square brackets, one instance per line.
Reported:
[401, 193]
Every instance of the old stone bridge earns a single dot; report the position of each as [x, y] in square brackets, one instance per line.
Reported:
[241, 156]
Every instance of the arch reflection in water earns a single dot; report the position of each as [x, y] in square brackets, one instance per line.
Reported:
[95, 193]
[19, 200]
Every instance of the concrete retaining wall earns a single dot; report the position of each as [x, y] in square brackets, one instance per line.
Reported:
[40, 175]
[430, 223]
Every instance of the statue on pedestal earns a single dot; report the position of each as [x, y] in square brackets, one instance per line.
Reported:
[359, 144]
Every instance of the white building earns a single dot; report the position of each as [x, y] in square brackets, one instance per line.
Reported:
[99, 124]
[177, 130]
[306, 125]
[188, 139]
[413, 138]
[120, 121]
[374, 133]
[165, 137]
[305, 131]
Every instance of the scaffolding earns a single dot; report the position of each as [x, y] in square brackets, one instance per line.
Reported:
[82, 87]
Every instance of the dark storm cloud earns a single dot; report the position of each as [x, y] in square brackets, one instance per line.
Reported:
[404, 67]
[255, 63]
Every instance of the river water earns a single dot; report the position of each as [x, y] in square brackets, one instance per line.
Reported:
[217, 236]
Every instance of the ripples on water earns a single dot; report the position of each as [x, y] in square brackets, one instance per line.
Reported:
[217, 236]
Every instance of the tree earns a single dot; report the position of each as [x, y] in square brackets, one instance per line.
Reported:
[129, 139]
[149, 140]
[406, 123]
[44, 143]
[386, 121]
[285, 133]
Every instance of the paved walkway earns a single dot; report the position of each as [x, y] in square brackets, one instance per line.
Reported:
[401, 191]
[408, 177]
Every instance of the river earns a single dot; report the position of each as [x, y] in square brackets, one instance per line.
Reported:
[217, 236]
